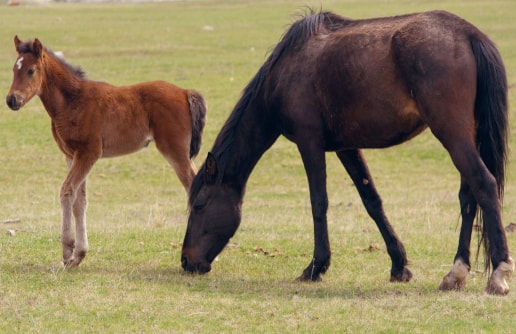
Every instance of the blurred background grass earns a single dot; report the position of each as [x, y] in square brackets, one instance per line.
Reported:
[131, 280]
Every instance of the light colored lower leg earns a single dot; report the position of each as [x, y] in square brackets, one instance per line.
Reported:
[497, 284]
[67, 238]
[456, 278]
[79, 212]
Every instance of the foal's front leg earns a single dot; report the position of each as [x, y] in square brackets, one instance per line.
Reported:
[73, 200]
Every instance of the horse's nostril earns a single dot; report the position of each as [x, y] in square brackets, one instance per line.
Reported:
[184, 262]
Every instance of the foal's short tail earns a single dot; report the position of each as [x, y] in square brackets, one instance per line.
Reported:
[198, 113]
[491, 113]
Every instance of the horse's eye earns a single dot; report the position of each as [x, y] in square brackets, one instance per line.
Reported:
[199, 206]
[31, 71]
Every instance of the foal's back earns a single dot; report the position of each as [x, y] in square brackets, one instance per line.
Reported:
[129, 117]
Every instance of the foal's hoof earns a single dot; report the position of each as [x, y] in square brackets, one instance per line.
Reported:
[497, 284]
[70, 264]
[403, 276]
[75, 260]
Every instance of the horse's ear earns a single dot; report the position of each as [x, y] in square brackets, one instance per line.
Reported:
[210, 169]
[37, 48]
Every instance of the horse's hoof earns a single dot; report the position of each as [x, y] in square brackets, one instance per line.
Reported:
[456, 278]
[309, 277]
[404, 276]
[451, 282]
[497, 284]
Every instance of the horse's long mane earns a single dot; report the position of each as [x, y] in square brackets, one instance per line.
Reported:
[296, 36]
[26, 47]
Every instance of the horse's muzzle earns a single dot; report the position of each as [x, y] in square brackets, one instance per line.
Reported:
[14, 101]
[199, 268]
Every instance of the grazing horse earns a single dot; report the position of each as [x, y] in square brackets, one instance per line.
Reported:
[92, 120]
[342, 85]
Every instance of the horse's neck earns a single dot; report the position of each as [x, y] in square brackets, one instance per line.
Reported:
[253, 134]
[59, 86]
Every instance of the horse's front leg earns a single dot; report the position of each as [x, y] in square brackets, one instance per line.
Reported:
[73, 200]
[315, 166]
[357, 169]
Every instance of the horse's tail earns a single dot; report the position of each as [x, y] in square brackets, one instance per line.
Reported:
[491, 113]
[198, 114]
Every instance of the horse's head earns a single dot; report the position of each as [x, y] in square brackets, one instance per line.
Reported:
[215, 213]
[27, 70]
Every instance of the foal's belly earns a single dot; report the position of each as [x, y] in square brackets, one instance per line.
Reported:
[116, 146]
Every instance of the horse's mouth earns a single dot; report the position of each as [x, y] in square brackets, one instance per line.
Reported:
[192, 267]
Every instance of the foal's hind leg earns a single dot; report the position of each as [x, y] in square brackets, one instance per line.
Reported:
[174, 145]
[356, 167]
[456, 278]
[183, 166]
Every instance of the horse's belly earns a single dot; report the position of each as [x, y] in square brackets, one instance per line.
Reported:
[369, 129]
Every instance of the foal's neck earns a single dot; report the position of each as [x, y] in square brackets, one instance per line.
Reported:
[59, 85]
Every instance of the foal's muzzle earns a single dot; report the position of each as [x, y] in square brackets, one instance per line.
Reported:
[14, 101]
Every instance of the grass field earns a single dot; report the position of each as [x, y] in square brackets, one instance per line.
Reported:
[131, 281]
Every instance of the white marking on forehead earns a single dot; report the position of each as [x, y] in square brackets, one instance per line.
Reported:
[19, 63]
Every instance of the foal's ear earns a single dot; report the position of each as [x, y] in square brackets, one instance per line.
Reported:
[17, 42]
[37, 48]
[210, 169]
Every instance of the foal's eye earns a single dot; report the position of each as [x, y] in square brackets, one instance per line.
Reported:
[31, 71]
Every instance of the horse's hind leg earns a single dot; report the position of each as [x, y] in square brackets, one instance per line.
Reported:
[484, 188]
[357, 169]
[456, 278]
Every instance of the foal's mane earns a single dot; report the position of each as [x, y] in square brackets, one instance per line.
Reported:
[26, 47]
[297, 35]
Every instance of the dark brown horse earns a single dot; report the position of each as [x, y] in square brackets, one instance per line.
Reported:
[92, 120]
[336, 84]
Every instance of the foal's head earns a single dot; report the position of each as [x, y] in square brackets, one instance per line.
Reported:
[27, 72]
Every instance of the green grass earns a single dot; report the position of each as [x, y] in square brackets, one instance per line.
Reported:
[131, 280]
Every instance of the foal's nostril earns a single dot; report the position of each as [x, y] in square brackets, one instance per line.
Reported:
[12, 102]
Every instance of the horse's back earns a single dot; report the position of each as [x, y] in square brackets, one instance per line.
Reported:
[363, 78]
